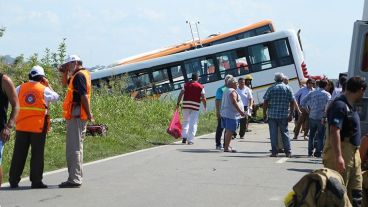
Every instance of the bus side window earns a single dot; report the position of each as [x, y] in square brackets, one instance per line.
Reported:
[241, 62]
[283, 53]
[259, 56]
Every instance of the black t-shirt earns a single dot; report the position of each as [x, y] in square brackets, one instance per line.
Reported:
[344, 116]
[80, 87]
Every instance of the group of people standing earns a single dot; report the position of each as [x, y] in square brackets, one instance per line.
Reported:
[234, 101]
[30, 115]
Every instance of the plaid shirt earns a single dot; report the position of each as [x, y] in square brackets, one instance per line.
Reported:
[279, 97]
[317, 102]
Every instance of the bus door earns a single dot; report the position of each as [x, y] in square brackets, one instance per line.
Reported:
[358, 66]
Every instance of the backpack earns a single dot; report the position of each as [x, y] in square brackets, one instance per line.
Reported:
[320, 188]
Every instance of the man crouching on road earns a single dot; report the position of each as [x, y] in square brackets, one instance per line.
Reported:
[76, 111]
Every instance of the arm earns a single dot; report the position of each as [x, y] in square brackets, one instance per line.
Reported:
[265, 107]
[86, 106]
[335, 141]
[218, 108]
[10, 92]
[234, 97]
[204, 101]
[179, 98]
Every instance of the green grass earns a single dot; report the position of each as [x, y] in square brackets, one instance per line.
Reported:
[133, 125]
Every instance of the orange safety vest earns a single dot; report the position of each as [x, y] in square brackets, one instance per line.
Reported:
[31, 117]
[68, 102]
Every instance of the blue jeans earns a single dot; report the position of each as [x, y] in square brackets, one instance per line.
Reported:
[274, 125]
[316, 126]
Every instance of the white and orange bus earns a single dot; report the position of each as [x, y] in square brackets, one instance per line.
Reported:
[258, 28]
[261, 56]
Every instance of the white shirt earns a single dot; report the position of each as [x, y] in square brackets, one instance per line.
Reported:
[245, 95]
[49, 95]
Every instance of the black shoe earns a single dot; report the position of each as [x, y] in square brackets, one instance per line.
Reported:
[68, 184]
[38, 185]
[14, 185]
[184, 141]
[288, 155]
[273, 155]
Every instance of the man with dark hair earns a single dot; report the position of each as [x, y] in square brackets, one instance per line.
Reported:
[246, 96]
[31, 127]
[303, 118]
[8, 95]
[76, 111]
[316, 102]
[342, 145]
[340, 87]
[193, 93]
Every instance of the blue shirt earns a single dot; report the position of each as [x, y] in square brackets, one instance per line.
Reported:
[279, 97]
[316, 101]
[220, 92]
[302, 93]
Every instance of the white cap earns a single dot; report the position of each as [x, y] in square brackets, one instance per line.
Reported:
[72, 58]
[37, 70]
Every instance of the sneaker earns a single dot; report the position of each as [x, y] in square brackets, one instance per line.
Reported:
[295, 138]
[218, 147]
[38, 185]
[184, 140]
[68, 184]
[248, 130]
[241, 137]
[288, 155]
[190, 142]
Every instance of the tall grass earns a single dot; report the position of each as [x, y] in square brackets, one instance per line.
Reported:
[133, 125]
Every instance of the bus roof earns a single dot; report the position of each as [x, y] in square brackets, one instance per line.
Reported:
[117, 70]
[189, 44]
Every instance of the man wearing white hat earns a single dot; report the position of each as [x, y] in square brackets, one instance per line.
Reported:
[31, 127]
[76, 111]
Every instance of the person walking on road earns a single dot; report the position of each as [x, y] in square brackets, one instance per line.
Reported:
[247, 98]
[341, 152]
[192, 94]
[277, 101]
[31, 127]
[218, 100]
[76, 111]
[8, 95]
[304, 115]
[317, 102]
[232, 109]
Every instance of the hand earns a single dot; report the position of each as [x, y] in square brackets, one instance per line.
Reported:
[242, 114]
[5, 134]
[340, 164]
[90, 118]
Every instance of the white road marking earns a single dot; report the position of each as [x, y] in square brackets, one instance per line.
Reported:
[103, 160]
[282, 160]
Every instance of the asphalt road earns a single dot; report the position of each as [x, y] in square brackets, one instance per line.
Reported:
[179, 175]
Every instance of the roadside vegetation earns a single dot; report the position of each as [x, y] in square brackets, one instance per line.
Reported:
[132, 125]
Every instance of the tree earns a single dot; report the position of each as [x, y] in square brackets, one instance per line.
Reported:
[46, 60]
[62, 51]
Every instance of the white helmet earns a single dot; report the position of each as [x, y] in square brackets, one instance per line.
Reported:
[72, 58]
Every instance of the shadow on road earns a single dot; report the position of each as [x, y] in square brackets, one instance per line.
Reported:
[300, 170]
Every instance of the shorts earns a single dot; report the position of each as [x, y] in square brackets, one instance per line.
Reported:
[1, 150]
[229, 124]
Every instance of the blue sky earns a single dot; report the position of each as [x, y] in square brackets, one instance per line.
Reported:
[102, 32]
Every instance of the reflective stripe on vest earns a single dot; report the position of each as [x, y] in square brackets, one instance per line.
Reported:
[68, 102]
[31, 117]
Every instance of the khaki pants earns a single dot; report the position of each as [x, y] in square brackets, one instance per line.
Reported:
[75, 132]
[353, 174]
[303, 120]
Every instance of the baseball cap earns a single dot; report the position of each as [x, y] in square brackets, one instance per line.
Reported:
[72, 58]
[37, 70]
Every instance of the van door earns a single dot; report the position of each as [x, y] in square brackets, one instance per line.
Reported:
[358, 66]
